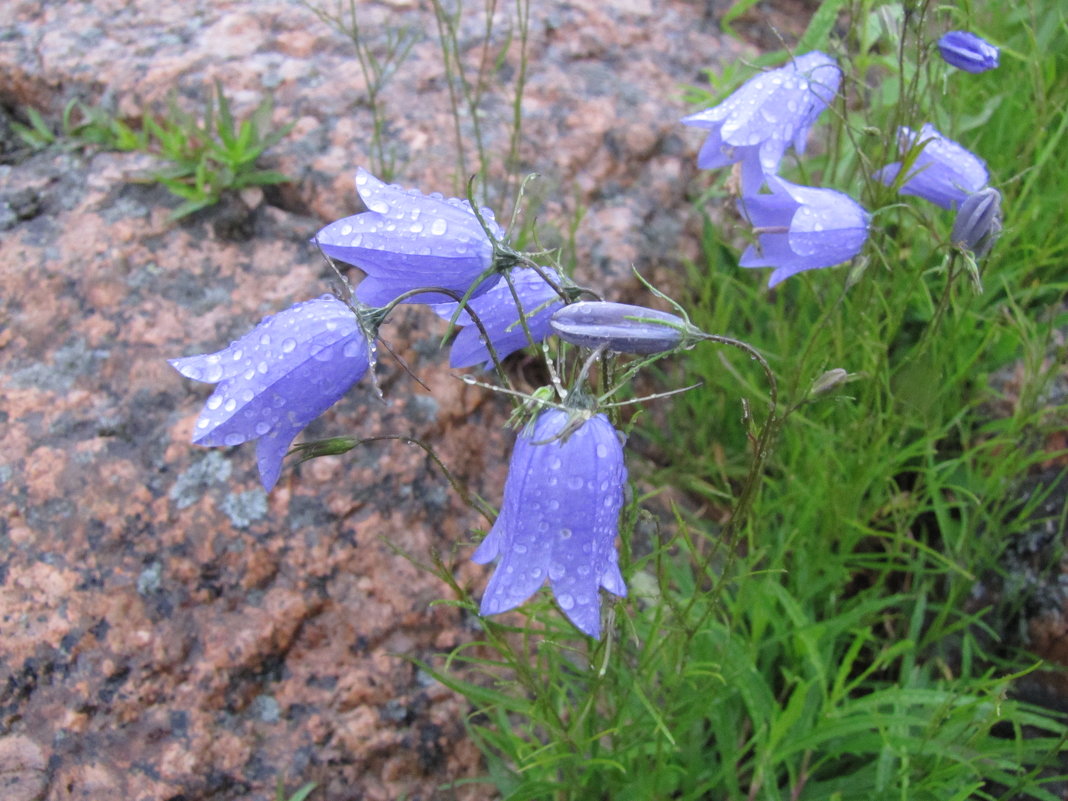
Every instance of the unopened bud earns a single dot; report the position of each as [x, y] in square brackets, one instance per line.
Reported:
[828, 381]
[978, 222]
[620, 327]
[968, 52]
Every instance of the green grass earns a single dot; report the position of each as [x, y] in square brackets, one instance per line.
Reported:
[206, 156]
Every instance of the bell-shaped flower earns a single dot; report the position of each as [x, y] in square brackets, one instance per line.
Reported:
[966, 51]
[943, 173]
[559, 519]
[621, 328]
[497, 312]
[279, 377]
[770, 111]
[802, 228]
[978, 222]
[407, 240]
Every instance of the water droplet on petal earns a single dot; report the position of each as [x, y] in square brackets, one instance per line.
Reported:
[231, 404]
[214, 402]
[213, 373]
[566, 601]
[438, 227]
[564, 533]
[262, 428]
[233, 439]
[288, 345]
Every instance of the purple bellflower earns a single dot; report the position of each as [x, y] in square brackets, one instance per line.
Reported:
[978, 222]
[559, 519]
[944, 173]
[765, 115]
[620, 327]
[407, 240]
[496, 310]
[802, 228]
[966, 51]
[279, 377]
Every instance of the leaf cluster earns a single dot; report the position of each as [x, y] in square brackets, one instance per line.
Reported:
[207, 154]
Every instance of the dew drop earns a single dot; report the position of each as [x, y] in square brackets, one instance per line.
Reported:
[564, 533]
[203, 423]
[231, 404]
[214, 402]
[556, 571]
[520, 549]
[353, 349]
[233, 439]
[438, 227]
[378, 206]
[214, 373]
[416, 228]
[602, 450]
[247, 395]
[262, 428]
[238, 354]
[575, 482]
[566, 601]
[262, 367]
[289, 345]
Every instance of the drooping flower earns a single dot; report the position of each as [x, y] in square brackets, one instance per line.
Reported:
[765, 115]
[407, 240]
[802, 228]
[497, 312]
[978, 222]
[279, 377]
[966, 51]
[943, 173]
[620, 327]
[559, 519]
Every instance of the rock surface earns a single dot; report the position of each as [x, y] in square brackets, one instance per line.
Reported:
[167, 630]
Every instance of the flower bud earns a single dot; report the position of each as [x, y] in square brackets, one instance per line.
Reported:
[968, 52]
[978, 222]
[834, 377]
[620, 327]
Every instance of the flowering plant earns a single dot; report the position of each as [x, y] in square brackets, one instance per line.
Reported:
[744, 623]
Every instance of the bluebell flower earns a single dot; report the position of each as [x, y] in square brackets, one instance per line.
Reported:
[620, 327]
[279, 377]
[559, 519]
[943, 173]
[765, 115]
[407, 240]
[802, 228]
[966, 51]
[497, 312]
[978, 222]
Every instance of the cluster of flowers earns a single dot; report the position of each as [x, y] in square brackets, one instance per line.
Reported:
[800, 228]
[565, 485]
